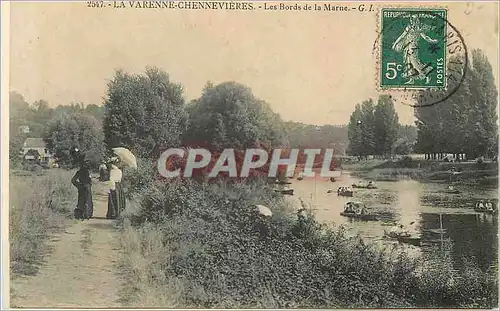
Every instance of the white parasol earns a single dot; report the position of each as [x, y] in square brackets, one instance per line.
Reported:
[264, 210]
[126, 156]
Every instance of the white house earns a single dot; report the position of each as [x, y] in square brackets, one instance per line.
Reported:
[39, 145]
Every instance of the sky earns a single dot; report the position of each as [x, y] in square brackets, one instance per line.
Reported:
[311, 67]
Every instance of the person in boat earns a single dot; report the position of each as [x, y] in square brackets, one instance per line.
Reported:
[349, 208]
[480, 205]
[489, 206]
[362, 210]
[399, 230]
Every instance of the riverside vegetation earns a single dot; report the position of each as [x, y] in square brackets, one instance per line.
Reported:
[190, 244]
[39, 207]
[194, 244]
[470, 173]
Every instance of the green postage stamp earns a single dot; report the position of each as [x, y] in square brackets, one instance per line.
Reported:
[413, 48]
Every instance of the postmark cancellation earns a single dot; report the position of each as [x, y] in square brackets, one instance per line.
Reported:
[418, 53]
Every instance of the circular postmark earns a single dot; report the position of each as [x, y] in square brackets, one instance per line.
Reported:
[422, 58]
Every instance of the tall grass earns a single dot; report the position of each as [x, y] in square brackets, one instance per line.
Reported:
[192, 245]
[188, 244]
[38, 206]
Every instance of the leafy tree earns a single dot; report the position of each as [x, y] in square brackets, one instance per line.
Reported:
[401, 146]
[144, 112]
[466, 122]
[368, 127]
[302, 135]
[355, 132]
[19, 112]
[68, 131]
[39, 118]
[482, 113]
[230, 116]
[386, 125]
[361, 129]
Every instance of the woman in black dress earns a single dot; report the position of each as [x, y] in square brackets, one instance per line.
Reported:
[83, 182]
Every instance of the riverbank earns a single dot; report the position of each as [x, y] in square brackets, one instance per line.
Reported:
[198, 245]
[426, 171]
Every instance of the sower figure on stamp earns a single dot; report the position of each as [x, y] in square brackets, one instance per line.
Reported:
[116, 198]
[408, 43]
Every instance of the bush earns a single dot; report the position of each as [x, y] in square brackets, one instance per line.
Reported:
[137, 181]
[227, 256]
[218, 253]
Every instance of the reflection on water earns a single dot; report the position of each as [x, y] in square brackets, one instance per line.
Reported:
[423, 207]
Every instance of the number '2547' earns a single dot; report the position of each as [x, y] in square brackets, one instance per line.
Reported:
[95, 4]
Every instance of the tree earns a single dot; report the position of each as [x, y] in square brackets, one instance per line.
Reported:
[19, 112]
[482, 114]
[368, 127]
[70, 130]
[361, 129]
[355, 133]
[386, 125]
[408, 132]
[466, 122]
[302, 135]
[401, 147]
[144, 112]
[230, 116]
[39, 118]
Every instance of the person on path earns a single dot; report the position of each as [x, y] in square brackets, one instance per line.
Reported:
[83, 182]
[103, 172]
[116, 197]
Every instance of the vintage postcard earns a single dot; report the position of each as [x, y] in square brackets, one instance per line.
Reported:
[250, 154]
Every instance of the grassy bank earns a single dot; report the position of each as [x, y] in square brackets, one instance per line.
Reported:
[39, 205]
[193, 245]
[470, 172]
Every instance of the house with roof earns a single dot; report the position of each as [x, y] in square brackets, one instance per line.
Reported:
[32, 146]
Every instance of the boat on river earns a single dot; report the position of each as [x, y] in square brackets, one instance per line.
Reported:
[360, 185]
[357, 210]
[485, 207]
[360, 216]
[451, 190]
[345, 192]
[285, 191]
[300, 176]
[403, 238]
[281, 182]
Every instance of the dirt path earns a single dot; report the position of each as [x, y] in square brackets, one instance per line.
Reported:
[80, 271]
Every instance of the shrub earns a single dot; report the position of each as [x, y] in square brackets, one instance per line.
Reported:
[227, 256]
[218, 253]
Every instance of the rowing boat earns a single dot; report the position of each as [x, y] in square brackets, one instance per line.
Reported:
[359, 216]
[363, 186]
[287, 191]
[416, 241]
[346, 193]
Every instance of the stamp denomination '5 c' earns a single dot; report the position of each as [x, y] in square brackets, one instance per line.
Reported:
[413, 48]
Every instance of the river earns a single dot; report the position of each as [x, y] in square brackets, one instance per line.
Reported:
[473, 235]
